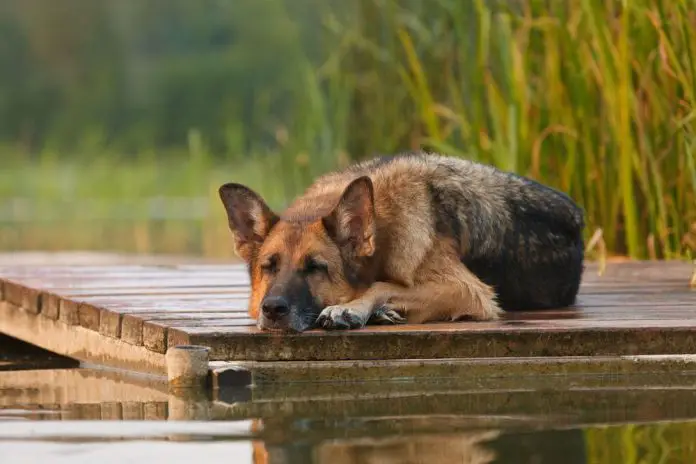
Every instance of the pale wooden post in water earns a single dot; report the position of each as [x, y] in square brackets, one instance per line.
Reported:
[187, 366]
[187, 373]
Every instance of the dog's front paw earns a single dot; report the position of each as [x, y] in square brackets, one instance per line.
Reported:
[341, 317]
[388, 314]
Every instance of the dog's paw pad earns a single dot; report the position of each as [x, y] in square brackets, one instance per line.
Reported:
[338, 317]
[388, 314]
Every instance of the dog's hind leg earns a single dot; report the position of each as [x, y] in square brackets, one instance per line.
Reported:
[448, 293]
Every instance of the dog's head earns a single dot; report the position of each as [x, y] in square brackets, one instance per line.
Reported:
[299, 266]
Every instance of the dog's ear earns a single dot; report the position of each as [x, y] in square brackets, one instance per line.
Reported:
[352, 222]
[249, 217]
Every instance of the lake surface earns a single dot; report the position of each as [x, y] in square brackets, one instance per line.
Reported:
[75, 415]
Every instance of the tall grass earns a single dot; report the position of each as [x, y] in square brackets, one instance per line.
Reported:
[594, 97]
[641, 443]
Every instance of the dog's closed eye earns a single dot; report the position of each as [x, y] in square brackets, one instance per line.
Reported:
[270, 265]
[313, 265]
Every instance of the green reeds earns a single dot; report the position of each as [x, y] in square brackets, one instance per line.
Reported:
[593, 97]
[667, 442]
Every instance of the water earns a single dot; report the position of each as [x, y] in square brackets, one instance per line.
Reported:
[75, 415]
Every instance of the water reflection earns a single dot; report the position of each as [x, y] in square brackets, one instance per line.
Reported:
[46, 414]
[625, 443]
[470, 447]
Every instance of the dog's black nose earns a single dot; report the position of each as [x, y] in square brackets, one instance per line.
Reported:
[275, 307]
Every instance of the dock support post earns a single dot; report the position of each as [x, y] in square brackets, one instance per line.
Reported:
[188, 374]
[187, 366]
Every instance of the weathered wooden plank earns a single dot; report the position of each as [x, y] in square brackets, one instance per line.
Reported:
[24, 296]
[155, 336]
[629, 300]
[230, 303]
[240, 267]
[50, 306]
[674, 313]
[155, 332]
[637, 268]
[68, 312]
[154, 293]
[132, 411]
[618, 284]
[574, 326]
[111, 411]
[131, 329]
[634, 290]
[153, 307]
[129, 324]
[213, 322]
[132, 322]
[88, 316]
[40, 269]
[183, 282]
[110, 308]
[77, 312]
[52, 303]
[77, 342]
[155, 411]
[124, 280]
[73, 278]
[110, 323]
[458, 373]
[114, 272]
[234, 303]
[191, 316]
[458, 340]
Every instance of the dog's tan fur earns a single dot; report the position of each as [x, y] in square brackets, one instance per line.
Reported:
[388, 251]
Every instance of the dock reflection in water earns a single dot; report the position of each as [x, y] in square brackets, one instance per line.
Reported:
[85, 415]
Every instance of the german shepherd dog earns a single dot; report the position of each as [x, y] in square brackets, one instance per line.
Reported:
[414, 238]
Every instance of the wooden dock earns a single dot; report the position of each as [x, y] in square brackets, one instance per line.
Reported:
[127, 315]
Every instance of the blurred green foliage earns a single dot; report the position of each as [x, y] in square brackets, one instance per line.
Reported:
[125, 100]
[81, 75]
[664, 443]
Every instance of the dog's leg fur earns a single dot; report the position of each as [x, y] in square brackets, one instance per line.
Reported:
[450, 293]
[356, 314]
[443, 290]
